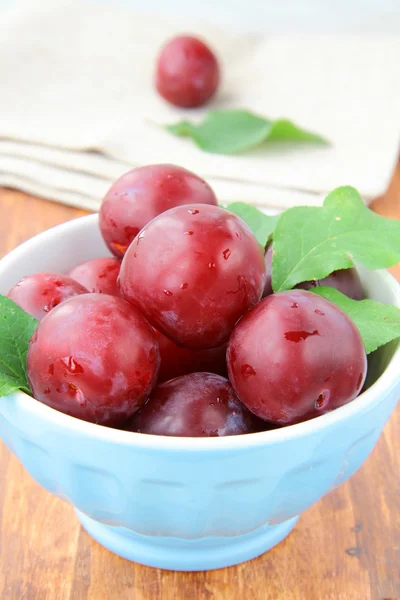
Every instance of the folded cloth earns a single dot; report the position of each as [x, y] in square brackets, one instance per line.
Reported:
[78, 106]
[82, 178]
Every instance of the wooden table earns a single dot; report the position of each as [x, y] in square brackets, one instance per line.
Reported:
[346, 547]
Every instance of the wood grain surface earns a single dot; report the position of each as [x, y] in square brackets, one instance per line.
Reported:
[346, 547]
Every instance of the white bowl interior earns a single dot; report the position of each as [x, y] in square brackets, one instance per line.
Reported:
[56, 250]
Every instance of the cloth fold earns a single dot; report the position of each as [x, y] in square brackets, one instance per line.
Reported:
[78, 107]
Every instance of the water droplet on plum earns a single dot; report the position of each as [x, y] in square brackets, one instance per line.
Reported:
[140, 237]
[299, 336]
[247, 371]
[72, 365]
[322, 400]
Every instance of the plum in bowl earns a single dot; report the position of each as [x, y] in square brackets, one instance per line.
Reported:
[189, 503]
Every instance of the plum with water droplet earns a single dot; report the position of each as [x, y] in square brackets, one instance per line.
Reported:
[142, 194]
[195, 405]
[295, 356]
[94, 357]
[194, 288]
[38, 294]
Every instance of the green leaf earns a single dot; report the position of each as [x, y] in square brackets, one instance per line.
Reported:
[262, 225]
[282, 129]
[16, 329]
[377, 323]
[311, 242]
[233, 131]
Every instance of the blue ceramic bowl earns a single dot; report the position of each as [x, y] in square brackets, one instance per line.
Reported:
[189, 503]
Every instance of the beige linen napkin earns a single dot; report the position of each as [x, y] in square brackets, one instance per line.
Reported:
[78, 107]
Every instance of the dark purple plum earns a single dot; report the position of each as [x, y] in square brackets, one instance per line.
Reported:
[195, 405]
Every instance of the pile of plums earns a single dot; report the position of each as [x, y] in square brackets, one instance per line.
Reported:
[172, 335]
